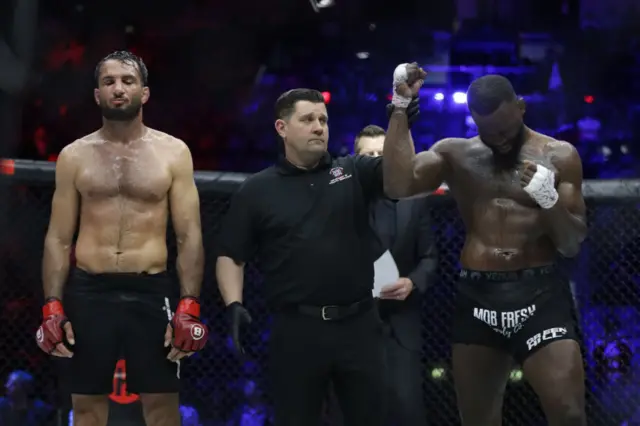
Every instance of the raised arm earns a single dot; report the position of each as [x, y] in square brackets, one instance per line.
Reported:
[567, 218]
[405, 173]
[185, 214]
[62, 226]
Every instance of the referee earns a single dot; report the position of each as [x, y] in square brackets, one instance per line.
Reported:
[307, 220]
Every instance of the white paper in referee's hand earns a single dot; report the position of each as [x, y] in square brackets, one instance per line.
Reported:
[385, 272]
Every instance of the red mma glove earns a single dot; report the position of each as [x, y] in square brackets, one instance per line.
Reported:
[53, 330]
[189, 333]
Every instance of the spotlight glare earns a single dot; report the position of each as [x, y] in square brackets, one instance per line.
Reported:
[460, 98]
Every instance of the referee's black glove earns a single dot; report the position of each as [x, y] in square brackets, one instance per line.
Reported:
[238, 316]
[413, 110]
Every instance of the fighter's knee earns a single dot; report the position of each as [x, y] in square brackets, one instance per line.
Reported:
[90, 410]
[161, 409]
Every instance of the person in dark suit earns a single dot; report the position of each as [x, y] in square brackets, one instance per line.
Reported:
[404, 228]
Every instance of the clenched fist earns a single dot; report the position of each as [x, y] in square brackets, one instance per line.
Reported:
[540, 183]
[407, 81]
[185, 332]
[54, 329]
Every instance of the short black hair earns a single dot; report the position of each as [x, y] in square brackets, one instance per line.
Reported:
[487, 93]
[126, 58]
[370, 131]
[286, 103]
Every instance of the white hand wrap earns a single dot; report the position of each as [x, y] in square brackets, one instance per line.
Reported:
[542, 187]
[400, 76]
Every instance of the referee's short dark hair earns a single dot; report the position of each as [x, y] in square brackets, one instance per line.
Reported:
[286, 103]
[487, 93]
[370, 131]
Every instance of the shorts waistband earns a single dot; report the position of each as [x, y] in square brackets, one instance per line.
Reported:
[83, 281]
[502, 276]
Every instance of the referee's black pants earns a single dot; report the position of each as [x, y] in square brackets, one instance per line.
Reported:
[306, 353]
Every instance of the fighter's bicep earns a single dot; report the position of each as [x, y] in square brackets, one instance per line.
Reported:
[184, 199]
[66, 200]
[570, 177]
[570, 195]
[64, 214]
[428, 171]
[185, 206]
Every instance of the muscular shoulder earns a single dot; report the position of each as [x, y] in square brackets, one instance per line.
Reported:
[170, 145]
[173, 150]
[562, 154]
[451, 150]
[560, 149]
[77, 150]
[452, 146]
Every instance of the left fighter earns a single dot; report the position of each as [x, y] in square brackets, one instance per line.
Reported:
[121, 182]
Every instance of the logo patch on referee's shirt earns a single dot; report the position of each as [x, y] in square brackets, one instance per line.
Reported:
[338, 175]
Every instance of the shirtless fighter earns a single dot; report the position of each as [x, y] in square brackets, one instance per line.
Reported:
[122, 180]
[519, 195]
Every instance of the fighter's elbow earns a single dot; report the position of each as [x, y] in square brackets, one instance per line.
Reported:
[188, 234]
[226, 263]
[391, 191]
[398, 190]
[58, 241]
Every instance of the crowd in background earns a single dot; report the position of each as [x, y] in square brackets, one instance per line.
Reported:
[580, 88]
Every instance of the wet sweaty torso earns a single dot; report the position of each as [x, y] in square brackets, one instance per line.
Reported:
[124, 202]
[504, 227]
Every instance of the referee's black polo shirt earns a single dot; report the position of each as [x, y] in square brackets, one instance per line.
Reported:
[309, 230]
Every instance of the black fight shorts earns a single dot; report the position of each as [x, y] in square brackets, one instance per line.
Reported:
[119, 316]
[518, 312]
